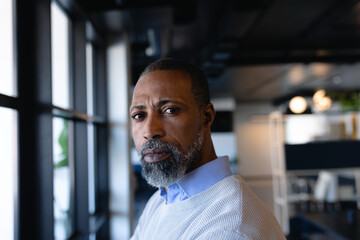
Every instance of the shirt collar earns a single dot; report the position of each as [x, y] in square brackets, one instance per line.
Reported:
[197, 180]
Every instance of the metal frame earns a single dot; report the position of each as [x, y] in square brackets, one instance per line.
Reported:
[33, 72]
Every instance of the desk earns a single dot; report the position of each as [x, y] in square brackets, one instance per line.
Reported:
[342, 225]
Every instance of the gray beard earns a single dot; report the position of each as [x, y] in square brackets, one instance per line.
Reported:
[168, 171]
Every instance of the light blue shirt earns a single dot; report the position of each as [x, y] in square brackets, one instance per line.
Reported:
[197, 180]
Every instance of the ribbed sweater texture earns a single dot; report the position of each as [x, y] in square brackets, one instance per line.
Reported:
[227, 210]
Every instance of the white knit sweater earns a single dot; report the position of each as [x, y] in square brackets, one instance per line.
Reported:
[227, 210]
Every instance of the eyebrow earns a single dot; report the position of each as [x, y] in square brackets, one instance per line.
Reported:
[139, 107]
[159, 104]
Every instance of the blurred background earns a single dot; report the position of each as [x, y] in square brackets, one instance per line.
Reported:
[284, 80]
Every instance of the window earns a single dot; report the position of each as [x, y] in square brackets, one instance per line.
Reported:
[62, 179]
[60, 57]
[53, 141]
[8, 158]
[91, 127]
[7, 85]
[61, 127]
[80, 207]
[8, 125]
[90, 78]
[97, 142]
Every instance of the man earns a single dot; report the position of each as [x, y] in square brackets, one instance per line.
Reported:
[198, 197]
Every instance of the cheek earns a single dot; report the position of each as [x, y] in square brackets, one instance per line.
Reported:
[188, 133]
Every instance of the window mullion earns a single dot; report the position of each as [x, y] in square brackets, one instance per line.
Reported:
[80, 128]
[33, 72]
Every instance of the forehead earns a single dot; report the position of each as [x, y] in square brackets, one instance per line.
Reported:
[163, 84]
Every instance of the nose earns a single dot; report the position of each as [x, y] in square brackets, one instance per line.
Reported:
[154, 126]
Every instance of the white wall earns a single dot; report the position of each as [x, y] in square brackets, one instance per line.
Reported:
[253, 147]
[253, 137]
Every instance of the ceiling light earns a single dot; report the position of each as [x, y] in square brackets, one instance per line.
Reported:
[324, 104]
[321, 101]
[298, 104]
[297, 74]
[320, 70]
[319, 94]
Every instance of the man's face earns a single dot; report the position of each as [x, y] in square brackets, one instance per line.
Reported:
[166, 125]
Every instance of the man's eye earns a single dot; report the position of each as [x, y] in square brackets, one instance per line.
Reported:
[171, 110]
[138, 116]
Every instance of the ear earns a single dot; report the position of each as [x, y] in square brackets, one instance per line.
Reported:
[208, 115]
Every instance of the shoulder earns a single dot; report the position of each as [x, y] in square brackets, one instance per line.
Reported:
[241, 213]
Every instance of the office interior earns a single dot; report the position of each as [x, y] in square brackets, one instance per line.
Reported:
[283, 77]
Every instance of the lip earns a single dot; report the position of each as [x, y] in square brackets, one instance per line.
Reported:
[152, 155]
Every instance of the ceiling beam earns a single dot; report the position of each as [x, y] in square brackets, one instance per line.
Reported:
[294, 56]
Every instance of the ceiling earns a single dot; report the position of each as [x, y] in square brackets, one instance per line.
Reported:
[251, 50]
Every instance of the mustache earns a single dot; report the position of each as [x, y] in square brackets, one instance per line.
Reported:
[156, 143]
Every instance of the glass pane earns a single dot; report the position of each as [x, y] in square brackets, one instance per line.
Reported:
[62, 178]
[89, 79]
[91, 164]
[60, 56]
[7, 84]
[92, 236]
[8, 158]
